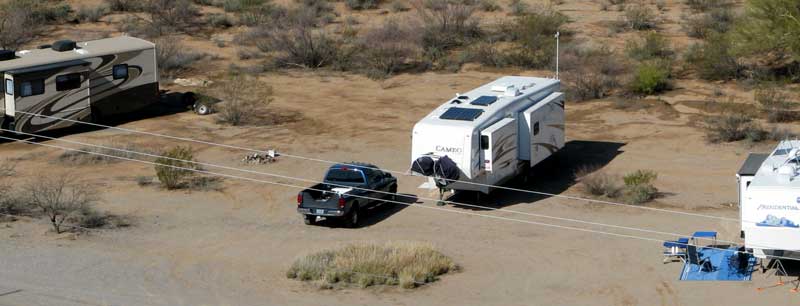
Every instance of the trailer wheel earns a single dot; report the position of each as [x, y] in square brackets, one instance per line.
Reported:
[352, 218]
[202, 109]
[309, 219]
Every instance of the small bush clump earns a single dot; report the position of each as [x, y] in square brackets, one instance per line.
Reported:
[733, 127]
[714, 59]
[173, 58]
[650, 78]
[598, 183]
[775, 103]
[239, 107]
[368, 264]
[639, 186]
[173, 167]
[640, 17]
[651, 46]
[362, 4]
[91, 13]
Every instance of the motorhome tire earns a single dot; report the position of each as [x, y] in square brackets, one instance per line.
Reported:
[353, 217]
[309, 219]
[96, 115]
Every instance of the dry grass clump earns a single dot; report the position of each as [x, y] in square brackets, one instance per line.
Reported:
[407, 264]
[733, 127]
[598, 183]
[243, 105]
[776, 104]
[95, 155]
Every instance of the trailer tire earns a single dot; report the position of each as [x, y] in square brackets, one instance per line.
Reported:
[352, 219]
[309, 219]
[202, 109]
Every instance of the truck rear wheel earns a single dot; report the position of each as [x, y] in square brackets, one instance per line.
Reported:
[309, 219]
[352, 219]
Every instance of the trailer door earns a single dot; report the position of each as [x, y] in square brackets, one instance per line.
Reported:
[8, 94]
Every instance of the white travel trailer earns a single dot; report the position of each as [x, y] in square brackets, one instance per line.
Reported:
[494, 132]
[769, 201]
[78, 81]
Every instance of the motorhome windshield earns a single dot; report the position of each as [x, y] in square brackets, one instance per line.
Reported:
[344, 176]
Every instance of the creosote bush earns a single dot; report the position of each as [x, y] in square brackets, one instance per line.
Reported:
[651, 46]
[639, 186]
[172, 167]
[733, 127]
[173, 58]
[640, 17]
[650, 78]
[407, 264]
[242, 105]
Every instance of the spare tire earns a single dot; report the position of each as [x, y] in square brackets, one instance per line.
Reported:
[446, 171]
[423, 165]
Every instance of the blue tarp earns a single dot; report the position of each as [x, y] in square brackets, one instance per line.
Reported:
[726, 266]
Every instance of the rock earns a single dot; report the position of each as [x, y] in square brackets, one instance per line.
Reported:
[193, 82]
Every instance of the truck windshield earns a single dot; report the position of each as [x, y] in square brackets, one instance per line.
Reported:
[344, 176]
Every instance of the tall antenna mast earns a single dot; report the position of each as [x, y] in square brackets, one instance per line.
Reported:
[557, 42]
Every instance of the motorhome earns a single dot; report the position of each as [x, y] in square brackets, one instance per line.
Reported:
[491, 134]
[769, 201]
[79, 81]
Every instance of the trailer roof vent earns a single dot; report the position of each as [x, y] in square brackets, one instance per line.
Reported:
[6, 55]
[64, 45]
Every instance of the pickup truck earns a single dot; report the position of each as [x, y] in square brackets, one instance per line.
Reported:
[346, 190]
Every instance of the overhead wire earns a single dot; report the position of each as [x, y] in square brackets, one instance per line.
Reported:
[585, 230]
[386, 170]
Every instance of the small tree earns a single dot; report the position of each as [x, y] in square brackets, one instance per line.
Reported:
[174, 166]
[242, 104]
[58, 197]
[770, 28]
[386, 48]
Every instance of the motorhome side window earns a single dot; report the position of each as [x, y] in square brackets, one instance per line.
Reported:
[68, 81]
[9, 86]
[120, 71]
[484, 142]
[32, 88]
[536, 128]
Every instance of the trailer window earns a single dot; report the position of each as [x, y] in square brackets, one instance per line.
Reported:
[484, 142]
[68, 81]
[32, 88]
[120, 71]
[9, 87]
[536, 129]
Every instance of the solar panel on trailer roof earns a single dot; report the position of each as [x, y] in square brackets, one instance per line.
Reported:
[458, 113]
[484, 100]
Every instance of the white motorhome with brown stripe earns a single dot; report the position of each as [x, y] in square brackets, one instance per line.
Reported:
[79, 81]
[494, 132]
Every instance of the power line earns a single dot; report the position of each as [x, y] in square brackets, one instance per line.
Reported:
[357, 188]
[387, 201]
[386, 170]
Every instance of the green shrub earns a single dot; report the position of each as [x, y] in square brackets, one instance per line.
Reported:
[713, 59]
[640, 194]
[718, 20]
[769, 29]
[651, 46]
[125, 5]
[172, 167]
[489, 6]
[241, 5]
[650, 78]
[533, 35]
[640, 177]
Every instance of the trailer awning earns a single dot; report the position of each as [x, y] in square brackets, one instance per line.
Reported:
[752, 163]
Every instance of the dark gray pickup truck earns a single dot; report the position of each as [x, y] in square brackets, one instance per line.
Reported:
[345, 191]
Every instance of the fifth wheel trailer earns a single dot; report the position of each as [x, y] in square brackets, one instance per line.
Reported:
[489, 135]
[769, 201]
[78, 81]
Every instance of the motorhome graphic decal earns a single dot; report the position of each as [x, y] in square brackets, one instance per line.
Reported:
[773, 221]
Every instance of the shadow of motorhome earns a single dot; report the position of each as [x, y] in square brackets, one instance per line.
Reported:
[377, 213]
[552, 176]
[170, 103]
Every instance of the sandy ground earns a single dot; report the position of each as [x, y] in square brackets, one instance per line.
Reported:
[234, 247]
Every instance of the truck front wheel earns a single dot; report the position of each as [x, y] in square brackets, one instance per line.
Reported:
[309, 219]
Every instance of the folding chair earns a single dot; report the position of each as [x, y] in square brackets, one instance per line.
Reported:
[693, 257]
[675, 249]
